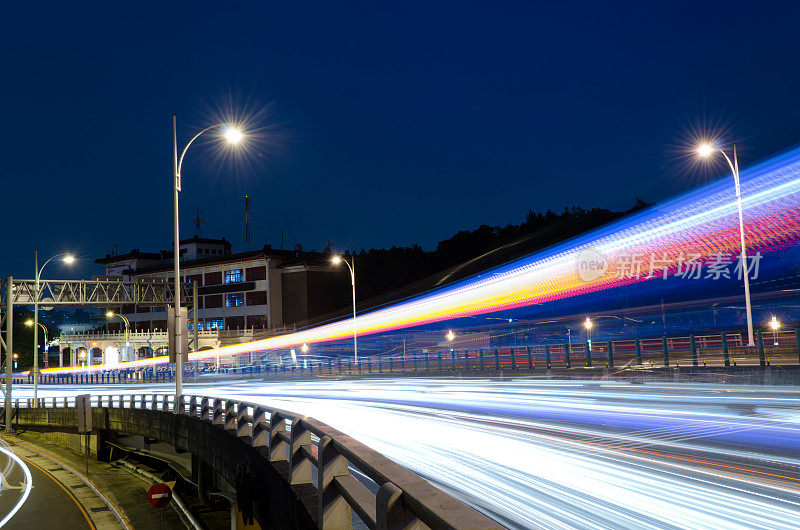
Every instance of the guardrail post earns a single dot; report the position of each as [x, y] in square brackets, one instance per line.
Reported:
[547, 355]
[496, 359]
[391, 512]
[480, 354]
[725, 356]
[761, 360]
[452, 360]
[513, 360]
[380, 364]
[334, 512]
[260, 427]
[638, 351]
[243, 429]
[414, 361]
[165, 403]
[440, 360]
[610, 355]
[566, 356]
[666, 351]
[427, 362]
[530, 357]
[588, 347]
[277, 445]
[300, 464]
[230, 415]
[205, 409]
[154, 402]
[693, 347]
[193, 406]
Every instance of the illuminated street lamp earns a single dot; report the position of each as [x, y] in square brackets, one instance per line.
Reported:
[29, 323]
[111, 314]
[588, 324]
[705, 150]
[450, 335]
[65, 258]
[304, 348]
[233, 136]
[82, 357]
[337, 260]
[16, 356]
[774, 324]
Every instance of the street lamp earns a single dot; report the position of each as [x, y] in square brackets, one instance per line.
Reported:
[234, 136]
[304, 348]
[16, 356]
[68, 259]
[337, 260]
[29, 323]
[588, 324]
[705, 150]
[111, 314]
[450, 335]
[774, 324]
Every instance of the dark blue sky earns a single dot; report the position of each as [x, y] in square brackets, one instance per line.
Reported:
[382, 123]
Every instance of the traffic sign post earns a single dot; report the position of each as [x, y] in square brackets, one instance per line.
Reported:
[159, 496]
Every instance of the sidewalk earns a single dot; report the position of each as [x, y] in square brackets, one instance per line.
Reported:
[125, 492]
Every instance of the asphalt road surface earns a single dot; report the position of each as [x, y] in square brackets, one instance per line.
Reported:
[48, 503]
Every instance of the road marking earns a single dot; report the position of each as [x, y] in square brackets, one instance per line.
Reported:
[28, 484]
[60, 485]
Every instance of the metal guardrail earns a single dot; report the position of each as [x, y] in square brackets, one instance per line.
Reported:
[403, 498]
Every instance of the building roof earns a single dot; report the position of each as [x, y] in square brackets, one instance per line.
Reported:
[289, 257]
[133, 254]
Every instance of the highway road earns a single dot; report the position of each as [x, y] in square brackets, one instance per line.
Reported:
[537, 453]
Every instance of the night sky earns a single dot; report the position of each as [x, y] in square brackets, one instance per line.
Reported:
[374, 123]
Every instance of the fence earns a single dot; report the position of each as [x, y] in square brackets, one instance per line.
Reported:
[722, 350]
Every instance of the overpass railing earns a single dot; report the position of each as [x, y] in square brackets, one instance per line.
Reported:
[403, 499]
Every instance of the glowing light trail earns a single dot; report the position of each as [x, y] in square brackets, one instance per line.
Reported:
[703, 221]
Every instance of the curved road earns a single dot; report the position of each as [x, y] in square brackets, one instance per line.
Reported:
[48, 504]
[536, 453]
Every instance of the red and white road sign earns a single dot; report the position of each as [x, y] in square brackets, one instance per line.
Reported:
[159, 495]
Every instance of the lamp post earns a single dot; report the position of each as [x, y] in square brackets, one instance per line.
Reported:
[29, 323]
[706, 150]
[233, 136]
[111, 314]
[774, 324]
[337, 260]
[588, 324]
[68, 259]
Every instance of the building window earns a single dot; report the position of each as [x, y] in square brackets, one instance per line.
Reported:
[256, 273]
[215, 324]
[234, 299]
[257, 298]
[213, 278]
[234, 276]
